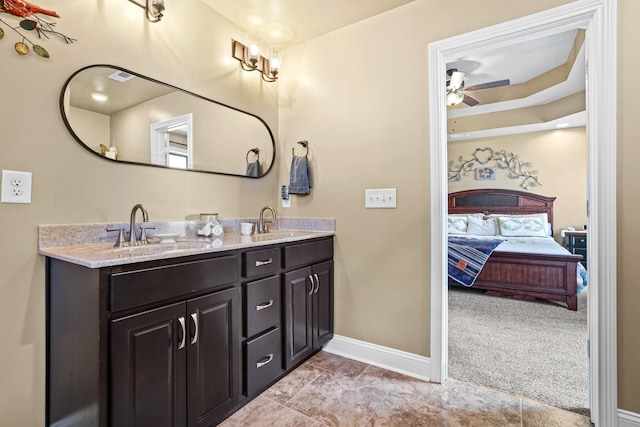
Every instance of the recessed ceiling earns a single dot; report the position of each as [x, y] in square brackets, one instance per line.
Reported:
[289, 22]
[543, 71]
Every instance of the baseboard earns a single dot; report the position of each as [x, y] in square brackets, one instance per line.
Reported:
[628, 419]
[383, 357]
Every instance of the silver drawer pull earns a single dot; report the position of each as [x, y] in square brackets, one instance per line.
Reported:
[264, 305]
[313, 285]
[268, 358]
[194, 317]
[317, 283]
[184, 333]
[260, 263]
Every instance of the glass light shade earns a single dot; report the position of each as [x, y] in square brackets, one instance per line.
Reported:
[275, 57]
[454, 98]
[254, 43]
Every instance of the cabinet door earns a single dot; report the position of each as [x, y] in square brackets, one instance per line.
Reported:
[148, 362]
[213, 356]
[298, 316]
[322, 303]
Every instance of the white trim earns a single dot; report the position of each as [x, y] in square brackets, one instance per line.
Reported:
[383, 357]
[159, 139]
[628, 419]
[599, 17]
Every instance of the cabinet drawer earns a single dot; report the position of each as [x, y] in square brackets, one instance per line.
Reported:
[262, 305]
[579, 251]
[307, 253]
[264, 360]
[133, 288]
[257, 263]
[575, 241]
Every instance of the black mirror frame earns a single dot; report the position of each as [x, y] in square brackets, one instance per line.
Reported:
[77, 138]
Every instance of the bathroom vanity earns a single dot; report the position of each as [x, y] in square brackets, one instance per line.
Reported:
[185, 338]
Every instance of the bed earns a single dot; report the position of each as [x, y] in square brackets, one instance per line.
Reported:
[551, 276]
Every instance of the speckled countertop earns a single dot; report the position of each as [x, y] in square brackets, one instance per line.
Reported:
[92, 246]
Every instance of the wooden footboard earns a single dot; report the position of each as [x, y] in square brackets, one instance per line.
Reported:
[521, 275]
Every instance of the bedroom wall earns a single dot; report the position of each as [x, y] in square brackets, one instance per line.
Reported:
[559, 156]
[72, 185]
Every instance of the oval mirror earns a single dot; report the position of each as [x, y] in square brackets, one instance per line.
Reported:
[123, 116]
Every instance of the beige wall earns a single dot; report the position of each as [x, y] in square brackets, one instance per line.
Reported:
[628, 205]
[359, 95]
[559, 156]
[72, 185]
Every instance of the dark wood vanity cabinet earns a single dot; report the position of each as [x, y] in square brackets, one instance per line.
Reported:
[183, 341]
[308, 300]
[176, 365]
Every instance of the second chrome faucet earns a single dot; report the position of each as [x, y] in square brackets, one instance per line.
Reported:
[262, 226]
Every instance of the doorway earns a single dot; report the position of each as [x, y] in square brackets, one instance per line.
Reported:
[598, 17]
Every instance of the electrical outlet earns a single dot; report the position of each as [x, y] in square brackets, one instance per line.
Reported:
[16, 187]
[384, 198]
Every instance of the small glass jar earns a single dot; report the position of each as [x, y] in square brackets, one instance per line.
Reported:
[211, 224]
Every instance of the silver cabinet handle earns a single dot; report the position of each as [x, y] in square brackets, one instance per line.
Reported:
[268, 358]
[312, 284]
[264, 305]
[261, 263]
[317, 283]
[194, 317]
[184, 333]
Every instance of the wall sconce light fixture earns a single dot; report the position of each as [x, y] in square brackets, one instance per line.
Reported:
[153, 9]
[251, 59]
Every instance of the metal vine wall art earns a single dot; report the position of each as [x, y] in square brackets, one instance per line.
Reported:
[509, 162]
[42, 28]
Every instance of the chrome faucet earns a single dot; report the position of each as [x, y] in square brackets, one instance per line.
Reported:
[132, 225]
[262, 227]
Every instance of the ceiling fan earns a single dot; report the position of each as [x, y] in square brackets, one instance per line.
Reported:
[456, 92]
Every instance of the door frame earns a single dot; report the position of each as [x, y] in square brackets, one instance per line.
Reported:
[599, 17]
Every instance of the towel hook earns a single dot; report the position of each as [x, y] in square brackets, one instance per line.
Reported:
[256, 151]
[305, 144]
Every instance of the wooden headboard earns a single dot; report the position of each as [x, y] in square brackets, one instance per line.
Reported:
[497, 201]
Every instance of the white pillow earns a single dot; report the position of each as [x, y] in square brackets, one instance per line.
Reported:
[529, 226]
[458, 223]
[482, 227]
[542, 216]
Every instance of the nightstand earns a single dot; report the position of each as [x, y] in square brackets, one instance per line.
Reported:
[576, 243]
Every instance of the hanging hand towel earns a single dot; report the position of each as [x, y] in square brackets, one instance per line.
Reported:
[300, 176]
[254, 169]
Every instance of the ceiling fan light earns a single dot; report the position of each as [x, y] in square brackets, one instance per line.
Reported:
[454, 98]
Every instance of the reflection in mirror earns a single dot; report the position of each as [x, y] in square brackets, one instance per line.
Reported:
[111, 110]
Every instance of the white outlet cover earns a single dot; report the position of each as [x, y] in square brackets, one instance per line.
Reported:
[16, 187]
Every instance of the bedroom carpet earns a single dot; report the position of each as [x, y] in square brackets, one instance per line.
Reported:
[534, 349]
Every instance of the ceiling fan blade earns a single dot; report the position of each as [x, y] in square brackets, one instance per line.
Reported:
[489, 85]
[470, 101]
[456, 81]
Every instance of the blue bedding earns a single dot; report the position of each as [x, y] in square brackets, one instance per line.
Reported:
[467, 257]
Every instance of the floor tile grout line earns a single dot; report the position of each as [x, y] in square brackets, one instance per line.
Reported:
[294, 410]
[305, 386]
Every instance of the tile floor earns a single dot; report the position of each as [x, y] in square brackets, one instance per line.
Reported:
[329, 390]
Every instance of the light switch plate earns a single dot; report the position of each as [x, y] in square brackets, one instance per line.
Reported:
[384, 198]
[16, 187]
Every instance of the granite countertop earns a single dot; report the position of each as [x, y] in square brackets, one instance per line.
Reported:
[91, 246]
